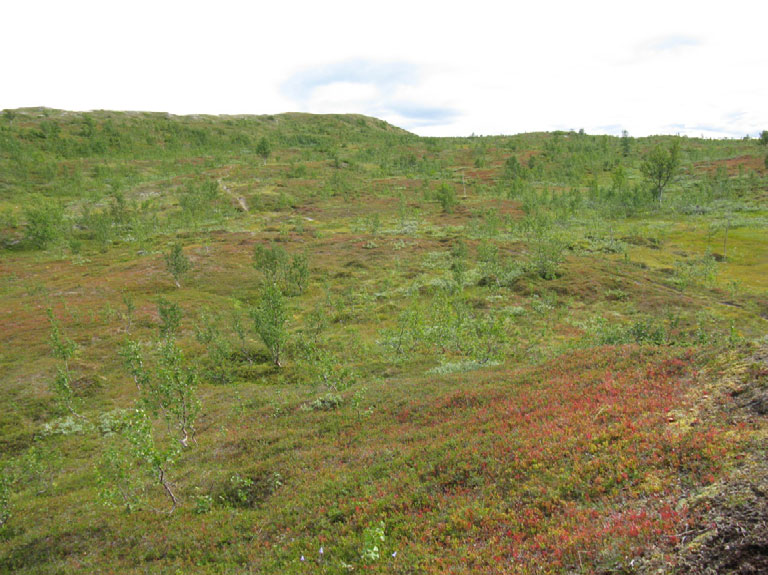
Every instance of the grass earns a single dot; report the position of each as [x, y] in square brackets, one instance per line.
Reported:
[536, 417]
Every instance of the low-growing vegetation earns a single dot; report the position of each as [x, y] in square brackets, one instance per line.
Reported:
[291, 344]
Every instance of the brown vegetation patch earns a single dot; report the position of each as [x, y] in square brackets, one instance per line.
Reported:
[483, 175]
[510, 208]
[396, 183]
[732, 165]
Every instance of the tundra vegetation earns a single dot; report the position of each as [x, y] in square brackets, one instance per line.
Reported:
[291, 344]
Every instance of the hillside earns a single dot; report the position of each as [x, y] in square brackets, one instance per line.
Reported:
[298, 343]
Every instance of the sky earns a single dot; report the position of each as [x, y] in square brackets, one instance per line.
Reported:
[434, 68]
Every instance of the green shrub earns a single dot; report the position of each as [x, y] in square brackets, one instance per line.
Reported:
[547, 253]
[514, 170]
[177, 264]
[459, 263]
[291, 274]
[460, 367]
[297, 274]
[373, 538]
[643, 331]
[328, 402]
[660, 166]
[446, 197]
[167, 391]
[702, 271]
[616, 295]
[269, 318]
[44, 224]
[170, 317]
[218, 348]
[203, 504]
[271, 261]
[248, 491]
[264, 149]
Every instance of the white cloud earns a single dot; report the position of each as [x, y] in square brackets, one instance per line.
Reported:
[340, 97]
[389, 90]
[438, 68]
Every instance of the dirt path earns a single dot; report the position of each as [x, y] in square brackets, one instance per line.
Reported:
[239, 201]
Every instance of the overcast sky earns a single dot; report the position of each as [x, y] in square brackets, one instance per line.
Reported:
[435, 68]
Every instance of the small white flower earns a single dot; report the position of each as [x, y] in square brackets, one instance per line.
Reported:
[321, 550]
[302, 557]
[394, 554]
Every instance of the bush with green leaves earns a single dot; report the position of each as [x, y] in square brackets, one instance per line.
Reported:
[238, 321]
[170, 389]
[170, 318]
[291, 273]
[660, 166]
[373, 223]
[45, 222]
[642, 331]
[546, 253]
[37, 467]
[247, 491]
[446, 197]
[146, 456]
[157, 429]
[99, 225]
[10, 116]
[487, 336]
[264, 149]
[198, 201]
[494, 269]
[328, 402]
[269, 317]
[322, 366]
[626, 143]
[217, 346]
[297, 276]
[63, 349]
[450, 327]
[514, 170]
[177, 264]
[406, 335]
[271, 261]
[459, 263]
[701, 270]
[446, 324]
[117, 478]
[203, 504]
[373, 539]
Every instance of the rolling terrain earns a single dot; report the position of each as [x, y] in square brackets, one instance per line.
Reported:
[322, 344]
